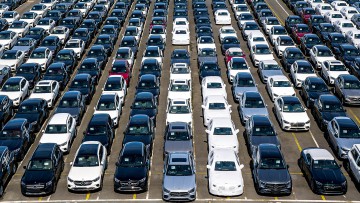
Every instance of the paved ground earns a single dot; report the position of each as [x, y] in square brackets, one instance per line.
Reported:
[291, 143]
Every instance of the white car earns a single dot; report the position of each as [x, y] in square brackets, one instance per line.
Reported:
[16, 88]
[256, 38]
[344, 26]
[181, 23]
[83, 8]
[180, 71]
[3, 8]
[268, 23]
[321, 9]
[77, 45]
[180, 87]
[221, 133]
[300, 70]
[275, 32]
[125, 53]
[12, 58]
[31, 18]
[205, 42]
[338, 5]
[116, 84]
[109, 103]
[47, 24]
[314, 3]
[353, 37]
[260, 52]
[281, 43]
[348, 12]
[333, 16]
[11, 16]
[224, 173]
[319, 54]
[180, 36]
[331, 69]
[21, 28]
[49, 3]
[243, 18]
[236, 65]
[153, 52]
[213, 85]
[40, 9]
[47, 90]
[88, 168]
[133, 31]
[61, 130]
[62, 32]
[222, 17]
[268, 68]
[240, 9]
[278, 86]
[8, 39]
[42, 56]
[179, 110]
[226, 31]
[215, 106]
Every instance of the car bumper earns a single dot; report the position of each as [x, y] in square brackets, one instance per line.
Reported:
[222, 192]
[223, 22]
[129, 187]
[352, 101]
[36, 190]
[84, 185]
[179, 196]
[275, 189]
[331, 189]
[181, 42]
[296, 126]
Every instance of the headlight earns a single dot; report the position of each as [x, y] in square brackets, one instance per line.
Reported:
[307, 122]
[214, 185]
[49, 183]
[192, 190]
[318, 183]
[116, 180]
[96, 179]
[286, 122]
[166, 190]
[262, 184]
[325, 121]
[276, 95]
[142, 180]
[344, 184]
[22, 183]
[70, 180]
[63, 144]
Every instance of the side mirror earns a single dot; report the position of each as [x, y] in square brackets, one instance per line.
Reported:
[208, 131]
[208, 166]
[43, 131]
[340, 165]
[236, 131]
[203, 106]
[95, 108]
[71, 163]
[256, 85]
[229, 106]
[241, 166]
[84, 132]
[305, 109]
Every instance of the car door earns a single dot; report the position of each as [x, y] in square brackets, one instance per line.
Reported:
[278, 109]
[102, 157]
[316, 110]
[71, 125]
[333, 132]
[23, 90]
[118, 105]
[5, 166]
[354, 163]
[307, 166]
[56, 165]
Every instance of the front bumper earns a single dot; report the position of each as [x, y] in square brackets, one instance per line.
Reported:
[284, 189]
[38, 189]
[179, 196]
[84, 185]
[223, 191]
[352, 100]
[129, 186]
[296, 126]
[181, 42]
[332, 189]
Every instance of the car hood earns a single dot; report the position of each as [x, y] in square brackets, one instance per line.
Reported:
[223, 141]
[347, 143]
[302, 76]
[12, 144]
[179, 183]
[207, 59]
[130, 173]
[269, 73]
[149, 112]
[351, 92]
[227, 178]
[315, 95]
[146, 139]
[11, 95]
[241, 90]
[294, 117]
[31, 117]
[274, 175]
[256, 140]
[35, 177]
[55, 138]
[8, 62]
[77, 173]
[45, 96]
[283, 91]
[254, 111]
[28, 76]
[328, 176]
[178, 146]
[330, 115]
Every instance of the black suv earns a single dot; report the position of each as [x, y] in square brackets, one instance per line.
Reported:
[132, 168]
[8, 167]
[141, 129]
[144, 103]
[43, 170]
[85, 84]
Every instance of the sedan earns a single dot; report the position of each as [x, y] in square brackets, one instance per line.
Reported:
[12, 58]
[347, 88]
[16, 88]
[48, 90]
[278, 86]
[35, 111]
[21, 28]
[300, 70]
[331, 69]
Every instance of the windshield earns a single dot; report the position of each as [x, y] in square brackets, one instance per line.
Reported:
[263, 50]
[179, 109]
[25, 70]
[81, 34]
[42, 89]
[318, 88]
[95, 130]
[179, 170]
[281, 84]
[137, 129]
[40, 164]
[11, 87]
[352, 84]
[63, 57]
[157, 31]
[48, 43]
[72, 45]
[9, 55]
[28, 109]
[223, 131]
[79, 84]
[178, 136]
[245, 83]
[340, 39]
[10, 134]
[58, 31]
[337, 68]
[211, 66]
[152, 53]
[217, 106]
[143, 105]
[225, 166]
[28, 16]
[286, 42]
[123, 55]
[55, 129]
[295, 55]
[106, 105]
[236, 53]
[272, 163]
[279, 31]
[180, 87]
[353, 133]
[320, 164]
[180, 70]
[8, 15]
[103, 41]
[112, 86]
[214, 85]
[133, 160]
[271, 67]
[325, 53]
[86, 161]
[44, 22]
[23, 43]
[305, 69]
[293, 107]
[68, 103]
[180, 55]
[337, 107]
[352, 52]
[254, 103]
[263, 131]
[147, 85]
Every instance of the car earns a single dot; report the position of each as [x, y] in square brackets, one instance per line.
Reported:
[105, 40]
[209, 69]
[213, 85]
[44, 167]
[134, 32]
[140, 128]
[179, 86]
[30, 71]
[125, 53]
[156, 40]
[215, 106]
[337, 5]
[109, 103]
[180, 71]
[299, 71]
[206, 55]
[47, 90]
[121, 68]
[331, 69]
[221, 163]
[149, 83]
[180, 36]
[278, 86]
[313, 162]
[351, 164]
[343, 26]
[242, 82]
[91, 156]
[181, 23]
[42, 56]
[270, 171]
[348, 54]
[62, 32]
[180, 13]
[26, 45]
[233, 52]
[349, 11]
[243, 18]
[259, 130]
[353, 36]
[333, 16]
[73, 103]
[346, 87]
[132, 168]
[222, 17]
[83, 34]
[36, 33]
[268, 23]
[291, 21]
[16, 88]
[268, 68]
[315, 21]
[47, 24]
[12, 58]
[205, 42]
[158, 21]
[6, 110]
[178, 137]
[311, 88]
[308, 41]
[251, 103]
[145, 103]
[334, 41]
[100, 53]
[76, 14]
[91, 66]
[204, 31]
[56, 71]
[290, 55]
[68, 58]
[229, 42]
[322, 8]
[4, 73]
[179, 110]
[130, 41]
[179, 165]
[180, 56]
[275, 32]
[35, 111]
[226, 31]
[91, 25]
[299, 30]
[356, 20]
[116, 84]
[10, 16]
[8, 39]
[281, 43]
[137, 22]
[221, 133]
[324, 30]
[21, 28]
[260, 52]
[319, 54]
[158, 30]
[153, 52]
[85, 84]
[255, 38]
[299, 5]
[55, 15]
[76, 45]
[9, 168]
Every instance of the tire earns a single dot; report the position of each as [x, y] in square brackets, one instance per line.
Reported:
[14, 168]
[312, 186]
[54, 187]
[308, 103]
[1, 189]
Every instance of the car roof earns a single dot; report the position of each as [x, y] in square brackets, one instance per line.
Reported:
[147, 77]
[252, 94]
[216, 98]
[82, 76]
[133, 148]
[345, 122]
[144, 96]
[179, 158]
[178, 126]
[139, 119]
[14, 123]
[315, 79]
[329, 98]
[290, 99]
[213, 79]
[100, 118]
[279, 78]
[31, 101]
[89, 148]
[260, 120]
[71, 94]
[59, 118]
[44, 150]
[348, 77]
[224, 154]
[222, 122]
[107, 96]
[319, 154]
[269, 150]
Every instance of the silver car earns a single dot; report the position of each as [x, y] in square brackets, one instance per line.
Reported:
[347, 88]
[242, 82]
[251, 103]
[268, 68]
[179, 182]
[178, 138]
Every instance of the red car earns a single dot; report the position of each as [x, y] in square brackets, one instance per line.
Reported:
[158, 21]
[306, 14]
[121, 67]
[299, 31]
[233, 52]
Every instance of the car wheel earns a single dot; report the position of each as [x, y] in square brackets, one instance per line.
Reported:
[1, 190]
[54, 187]
[308, 103]
[312, 186]
[14, 168]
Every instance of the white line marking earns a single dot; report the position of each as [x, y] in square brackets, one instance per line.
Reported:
[282, 7]
[48, 199]
[312, 136]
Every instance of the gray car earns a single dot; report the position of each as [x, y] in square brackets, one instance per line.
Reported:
[179, 182]
[242, 82]
[347, 88]
[178, 138]
[207, 55]
[251, 103]
[26, 45]
[342, 134]
[268, 68]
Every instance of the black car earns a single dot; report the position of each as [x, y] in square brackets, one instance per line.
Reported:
[114, 21]
[16, 136]
[315, 20]
[334, 41]
[6, 109]
[51, 42]
[131, 42]
[111, 31]
[30, 71]
[204, 31]
[322, 172]
[323, 30]
[36, 33]
[120, 14]
[156, 40]
[72, 102]
[308, 41]
[180, 13]
[55, 15]
[150, 66]
[99, 52]
[84, 34]
[209, 68]
[347, 54]
[145, 103]
[229, 42]
[101, 129]
[59, 73]
[44, 169]
[140, 129]
[180, 56]
[202, 21]
[8, 167]
[96, 16]
[70, 22]
[270, 171]
[291, 21]
[91, 25]
[85, 84]
[62, 7]
[91, 66]
[290, 55]
[355, 69]
[68, 57]
[132, 168]
[201, 12]
[106, 41]
[138, 14]
[149, 83]
[312, 88]
[35, 110]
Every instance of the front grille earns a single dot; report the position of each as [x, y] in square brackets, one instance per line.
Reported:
[297, 125]
[83, 183]
[38, 186]
[129, 183]
[332, 187]
[276, 186]
[179, 194]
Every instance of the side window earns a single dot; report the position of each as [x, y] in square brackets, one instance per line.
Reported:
[354, 154]
[308, 158]
[101, 153]
[70, 122]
